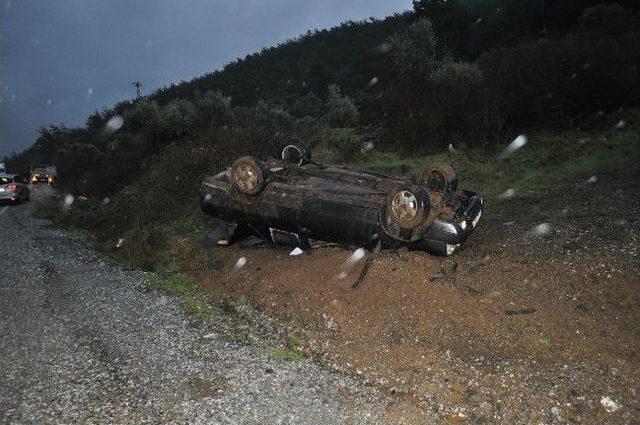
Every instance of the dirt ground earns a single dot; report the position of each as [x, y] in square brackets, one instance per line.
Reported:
[518, 327]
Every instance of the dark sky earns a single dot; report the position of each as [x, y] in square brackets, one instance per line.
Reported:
[63, 59]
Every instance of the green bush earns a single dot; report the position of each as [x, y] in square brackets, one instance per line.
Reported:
[214, 109]
[611, 18]
[341, 111]
[177, 119]
[144, 116]
[344, 144]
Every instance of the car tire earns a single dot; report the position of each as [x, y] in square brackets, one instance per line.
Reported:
[293, 153]
[406, 208]
[248, 175]
[440, 176]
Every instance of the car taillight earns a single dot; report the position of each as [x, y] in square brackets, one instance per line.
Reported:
[11, 187]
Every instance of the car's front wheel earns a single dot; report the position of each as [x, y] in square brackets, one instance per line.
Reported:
[247, 175]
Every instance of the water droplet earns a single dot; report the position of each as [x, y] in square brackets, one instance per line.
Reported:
[353, 259]
[512, 147]
[68, 200]
[620, 125]
[114, 124]
[297, 251]
[384, 47]
[541, 229]
[240, 263]
[509, 193]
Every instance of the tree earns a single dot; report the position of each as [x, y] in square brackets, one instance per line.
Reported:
[341, 110]
[451, 21]
[414, 50]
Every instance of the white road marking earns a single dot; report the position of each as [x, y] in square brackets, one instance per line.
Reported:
[3, 210]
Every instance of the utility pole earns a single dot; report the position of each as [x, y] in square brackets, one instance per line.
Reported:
[137, 85]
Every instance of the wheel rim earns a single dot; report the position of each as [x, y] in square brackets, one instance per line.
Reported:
[246, 177]
[404, 207]
[291, 154]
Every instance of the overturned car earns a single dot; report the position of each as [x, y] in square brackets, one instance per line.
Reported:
[291, 194]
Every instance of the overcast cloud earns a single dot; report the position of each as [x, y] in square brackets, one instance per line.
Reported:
[63, 59]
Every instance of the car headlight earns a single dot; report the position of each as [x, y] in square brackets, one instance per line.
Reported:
[477, 219]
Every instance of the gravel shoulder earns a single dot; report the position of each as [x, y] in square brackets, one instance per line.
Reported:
[83, 341]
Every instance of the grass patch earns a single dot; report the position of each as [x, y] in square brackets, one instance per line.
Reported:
[199, 308]
[175, 285]
[547, 159]
[243, 306]
[285, 355]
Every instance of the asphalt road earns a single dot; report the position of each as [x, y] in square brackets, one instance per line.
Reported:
[82, 341]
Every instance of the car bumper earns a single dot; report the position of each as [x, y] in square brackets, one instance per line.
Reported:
[8, 197]
[446, 237]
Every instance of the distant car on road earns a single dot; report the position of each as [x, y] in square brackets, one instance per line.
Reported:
[43, 174]
[338, 204]
[12, 190]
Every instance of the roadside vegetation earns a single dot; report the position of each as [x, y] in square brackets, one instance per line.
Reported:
[169, 236]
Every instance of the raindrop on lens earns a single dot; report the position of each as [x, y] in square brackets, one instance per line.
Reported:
[114, 124]
[541, 229]
[240, 263]
[68, 200]
[509, 193]
[517, 143]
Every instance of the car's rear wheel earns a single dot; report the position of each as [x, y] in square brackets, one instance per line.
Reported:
[406, 209]
[247, 175]
[440, 176]
[294, 153]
